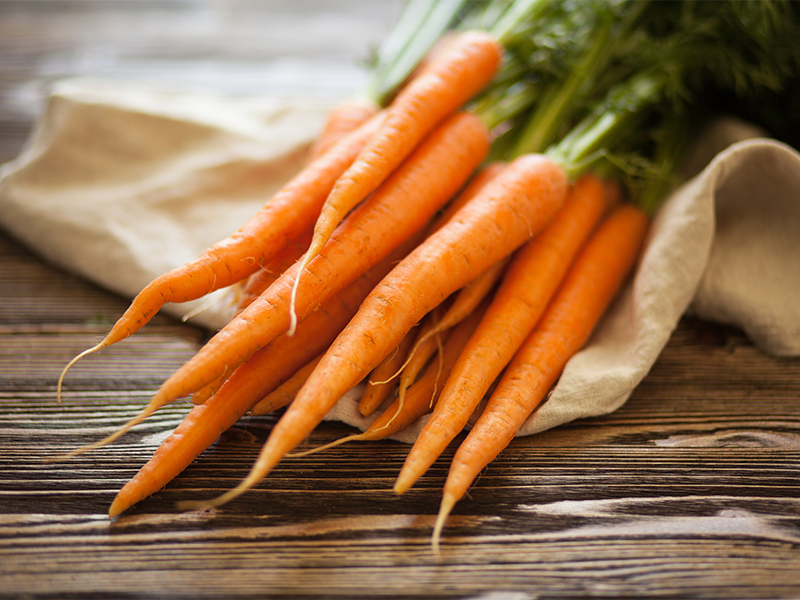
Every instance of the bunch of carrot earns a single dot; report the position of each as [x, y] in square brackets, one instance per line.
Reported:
[491, 218]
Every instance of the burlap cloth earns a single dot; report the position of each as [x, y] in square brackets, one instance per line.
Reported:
[122, 183]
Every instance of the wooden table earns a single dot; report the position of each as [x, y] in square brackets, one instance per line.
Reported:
[690, 490]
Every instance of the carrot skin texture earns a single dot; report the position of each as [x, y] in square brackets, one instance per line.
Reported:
[285, 392]
[265, 276]
[381, 381]
[377, 392]
[421, 397]
[508, 211]
[532, 279]
[392, 215]
[245, 389]
[590, 286]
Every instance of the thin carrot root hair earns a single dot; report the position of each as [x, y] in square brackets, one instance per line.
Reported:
[130, 424]
[453, 76]
[381, 383]
[71, 363]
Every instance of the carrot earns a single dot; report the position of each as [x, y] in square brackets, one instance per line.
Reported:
[247, 387]
[421, 396]
[480, 179]
[285, 392]
[259, 281]
[591, 284]
[464, 304]
[454, 76]
[252, 289]
[287, 215]
[532, 279]
[515, 206]
[381, 381]
[393, 214]
[343, 119]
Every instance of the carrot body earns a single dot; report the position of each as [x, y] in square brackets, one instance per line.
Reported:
[343, 119]
[259, 281]
[383, 378]
[532, 278]
[510, 210]
[452, 77]
[393, 214]
[422, 396]
[246, 388]
[589, 287]
[465, 302]
[286, 216]
[285, 392]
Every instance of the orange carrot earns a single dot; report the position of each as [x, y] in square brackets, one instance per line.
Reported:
[259, 281]
[381, 381]
[246, 388]
[421, 396]
[530, 283]
[511, 209]
[591, 284]
[285, 217]
[453, 77]
[285, 392]
[252, 289]
[393, 214]
[464, 304]
[480, 179]
[343, 119]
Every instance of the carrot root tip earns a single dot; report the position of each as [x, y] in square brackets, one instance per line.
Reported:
[108, 439]
[349, 438]
[71, 363]
[448, 502]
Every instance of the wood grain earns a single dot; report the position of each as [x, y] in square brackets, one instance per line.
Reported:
[688, 491]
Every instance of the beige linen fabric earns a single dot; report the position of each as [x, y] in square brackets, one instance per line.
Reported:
[122, 184]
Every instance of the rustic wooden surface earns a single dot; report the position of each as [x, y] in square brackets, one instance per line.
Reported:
[690, 490]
